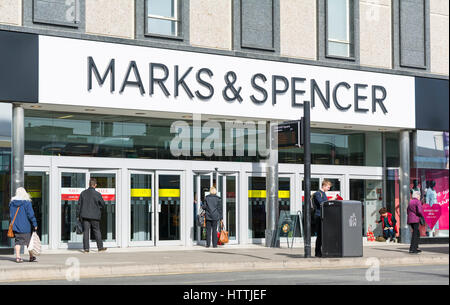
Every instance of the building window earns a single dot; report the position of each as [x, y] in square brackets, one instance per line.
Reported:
[57, 12]
[340, 28]
[163, 18]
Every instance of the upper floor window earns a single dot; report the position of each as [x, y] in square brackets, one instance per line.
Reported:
[340, 29]
[163, 17]
[58, 12]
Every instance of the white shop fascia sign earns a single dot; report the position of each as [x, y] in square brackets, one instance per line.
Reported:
[98, 74]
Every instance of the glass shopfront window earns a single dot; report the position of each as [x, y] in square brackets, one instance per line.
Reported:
[97, 135]
[339, 147]
[429, 176]
[5, 171]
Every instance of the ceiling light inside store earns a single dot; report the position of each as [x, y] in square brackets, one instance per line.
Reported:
[140, 113]
[348, 126]
[35, 106]
[89, 109]
[65, 117]
[187, 116]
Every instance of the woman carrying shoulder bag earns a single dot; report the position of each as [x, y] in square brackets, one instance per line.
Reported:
[415, 213]
[213, 215]
[21, 211]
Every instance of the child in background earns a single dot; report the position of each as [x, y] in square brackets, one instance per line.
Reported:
[389, 225]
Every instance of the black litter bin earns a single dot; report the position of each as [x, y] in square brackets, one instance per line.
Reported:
[342, 228]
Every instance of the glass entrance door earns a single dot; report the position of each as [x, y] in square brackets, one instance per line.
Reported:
[106, 185]
[168, 217]
[226, 185]
[73, 182]
[142, 207]
[36, 184]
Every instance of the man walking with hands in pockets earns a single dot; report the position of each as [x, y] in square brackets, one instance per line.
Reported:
[89, 212]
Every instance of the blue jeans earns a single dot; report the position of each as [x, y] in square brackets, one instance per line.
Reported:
[389, 233]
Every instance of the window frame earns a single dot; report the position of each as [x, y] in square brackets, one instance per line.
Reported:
[350, 29]
[177, 19]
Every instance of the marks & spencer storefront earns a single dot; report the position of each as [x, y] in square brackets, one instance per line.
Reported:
[158, 127]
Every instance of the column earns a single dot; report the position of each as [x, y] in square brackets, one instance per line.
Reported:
[272, 187]
[18, 143]
[405, 234]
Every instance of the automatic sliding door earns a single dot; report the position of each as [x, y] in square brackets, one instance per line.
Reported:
[36, 184]
[230, 206]
[256, 207]
[169, 206]
[106, 185]
[141, 207]
[72, 184]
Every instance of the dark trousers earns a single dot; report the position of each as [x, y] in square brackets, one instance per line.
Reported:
[211, 228]
[415, 236]
[95, 224]
[318, 229]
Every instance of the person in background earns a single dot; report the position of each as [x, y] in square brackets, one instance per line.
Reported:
[89, 212]
[213, 215]
[389, 225]
[25, 219]
[318, 198]
[415, 212]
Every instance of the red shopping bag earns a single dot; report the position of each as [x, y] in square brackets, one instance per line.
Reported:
[218, 239]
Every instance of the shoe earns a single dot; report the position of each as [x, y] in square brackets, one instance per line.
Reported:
[19, 260]
[318, 255]
[387, 241]
[418, 251]
[102, 249]
[214, 246]
[85, 251]
[32, 259]
[414, 252]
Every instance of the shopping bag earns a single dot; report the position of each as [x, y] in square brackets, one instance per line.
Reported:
[218, 239]
[34, 247]
[223, 238]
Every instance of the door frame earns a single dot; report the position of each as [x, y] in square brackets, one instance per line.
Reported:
[147, 243]
[196, 174]
[87, 172]
[182, 218]
[50, 220]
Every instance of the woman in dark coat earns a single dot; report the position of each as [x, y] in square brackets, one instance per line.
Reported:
[415, 212]
[213, 209]
[24, 220]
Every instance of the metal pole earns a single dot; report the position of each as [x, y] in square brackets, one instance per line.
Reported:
[272, 188]
[18, 142]
[307, 177]
[405, 234]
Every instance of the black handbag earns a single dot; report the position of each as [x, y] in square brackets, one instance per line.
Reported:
[201, 219]
[78, 227]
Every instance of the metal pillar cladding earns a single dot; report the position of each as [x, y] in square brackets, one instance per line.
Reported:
[307, 177]
[18, 143]
[272, 187]
[404, 175]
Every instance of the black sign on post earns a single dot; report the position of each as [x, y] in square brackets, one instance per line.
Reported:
[290, 134]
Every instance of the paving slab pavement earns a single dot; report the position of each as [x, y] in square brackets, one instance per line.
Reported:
[115, 262]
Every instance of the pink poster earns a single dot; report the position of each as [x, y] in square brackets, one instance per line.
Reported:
[440, 178]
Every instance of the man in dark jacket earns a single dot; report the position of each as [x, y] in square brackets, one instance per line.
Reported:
[318, 198]
[89, 212]
[213, 208]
